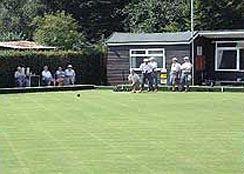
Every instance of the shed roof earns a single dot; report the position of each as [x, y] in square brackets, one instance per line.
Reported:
[220, 34]
[23, 45]
[153, 38]
[170, 38]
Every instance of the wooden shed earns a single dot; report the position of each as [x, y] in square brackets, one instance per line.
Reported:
[222, 54]
[218, 55]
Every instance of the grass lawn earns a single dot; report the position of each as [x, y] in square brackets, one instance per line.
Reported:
[118, 133]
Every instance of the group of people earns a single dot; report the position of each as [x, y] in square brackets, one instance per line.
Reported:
[179, 75]
[60, 78]
[149, 76]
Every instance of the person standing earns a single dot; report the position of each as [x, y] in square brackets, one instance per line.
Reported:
[154, 65]
[186, 68]
[174, 73]
[134, 79]
[47, 77]
[146, 69]
[70, 75]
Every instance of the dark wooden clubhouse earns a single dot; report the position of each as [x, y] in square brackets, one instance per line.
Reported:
[218, 55]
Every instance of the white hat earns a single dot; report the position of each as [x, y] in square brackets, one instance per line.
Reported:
[145, 60]
[174, 59]
[186, 58]
[70, 66]
[152, 58]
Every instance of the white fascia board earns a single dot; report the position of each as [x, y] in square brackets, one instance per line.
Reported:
[221, 33]
[148, 43]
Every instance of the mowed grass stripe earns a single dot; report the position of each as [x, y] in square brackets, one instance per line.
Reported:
[106, 132]
[110, 145]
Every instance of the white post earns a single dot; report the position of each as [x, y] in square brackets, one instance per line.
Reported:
[192, 16]
[192, 48]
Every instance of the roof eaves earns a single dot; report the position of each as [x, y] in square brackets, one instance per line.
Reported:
[110, 41]
[146, 43]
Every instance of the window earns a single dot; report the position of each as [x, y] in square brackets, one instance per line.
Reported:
[137, 56]
[158, 52]
[229, 58]
[135, 62]
[138, 52]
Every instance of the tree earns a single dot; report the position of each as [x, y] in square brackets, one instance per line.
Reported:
[174, 15]
[224, 14]
[157, 16]
[58, 29]
[97, 18]
[16, 16]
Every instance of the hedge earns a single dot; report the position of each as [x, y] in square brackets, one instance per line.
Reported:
[88, 65]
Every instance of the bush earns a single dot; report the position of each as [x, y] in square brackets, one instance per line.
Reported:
[87, 64]
[10, 36]
[60, 30]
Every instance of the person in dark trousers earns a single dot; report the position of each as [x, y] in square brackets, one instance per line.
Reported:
[174, 73]
[153, 63]
[20, 78]
[146, 75]
[185, 80]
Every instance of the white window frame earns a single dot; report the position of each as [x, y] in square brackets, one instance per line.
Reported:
[148, 55]
[237, 49]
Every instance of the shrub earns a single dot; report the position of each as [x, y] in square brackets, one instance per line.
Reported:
[60, 30]
[87, 64]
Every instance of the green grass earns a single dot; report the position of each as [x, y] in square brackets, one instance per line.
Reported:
[116, 133]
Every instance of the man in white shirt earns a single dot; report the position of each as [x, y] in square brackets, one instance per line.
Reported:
[47, 77]
[174, 73]
[70, 75]
[134, 79]
[146, 69]
[186, 68]
[153, 63]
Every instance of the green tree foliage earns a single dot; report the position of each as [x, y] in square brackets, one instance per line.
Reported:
[224, 14]
[157, 16]
[59, 29]
[10, 36]
[174, 15]
[16, 16]
[97, 18]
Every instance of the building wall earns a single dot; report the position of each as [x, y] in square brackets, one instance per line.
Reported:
[208, 52]
[118, 62]
[209, 73]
